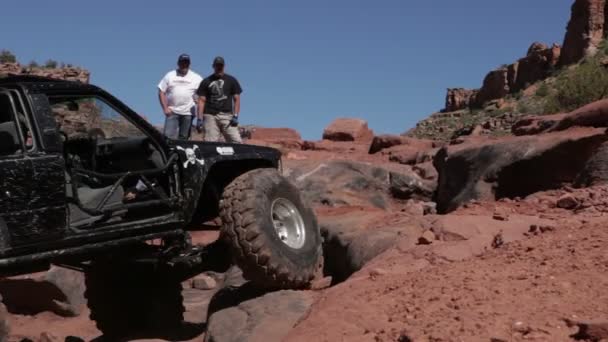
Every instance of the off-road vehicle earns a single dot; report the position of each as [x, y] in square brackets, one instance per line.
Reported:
[86, 182]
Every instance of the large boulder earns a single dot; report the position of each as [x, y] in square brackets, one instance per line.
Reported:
[286, 137]
[596, 169]
[268, 318]
[513, 166]
[409, 155]
[381, 142]
[353, 239]
[594, 114]
[346, 129]
[346, 183]
[530, 125]
[60, 290]
[585, 30]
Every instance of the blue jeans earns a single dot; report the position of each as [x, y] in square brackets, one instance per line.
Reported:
[178, 126]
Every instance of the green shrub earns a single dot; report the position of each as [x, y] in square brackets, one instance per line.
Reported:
[524, 108]
[33, 64]
[543, 90]
[579, 86]
[7, 57]
[51, 64]
[519, 95]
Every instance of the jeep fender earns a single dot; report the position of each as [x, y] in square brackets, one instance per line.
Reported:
[208, 167]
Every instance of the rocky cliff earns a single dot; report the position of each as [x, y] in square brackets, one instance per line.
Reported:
[544, 81]
[65, 73]
[586, 31]
[537, 65]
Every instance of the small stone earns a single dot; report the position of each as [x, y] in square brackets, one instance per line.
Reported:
[48, 337]
[414, 208]
[321, 284]
[204, 282]
[544, 229]
[521, 328]
[376, 272]
[430, 208]
[427, 238]
[567, 202]
[498, 240]
[500, 216]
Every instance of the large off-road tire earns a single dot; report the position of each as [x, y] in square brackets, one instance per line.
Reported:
[274, 236]
[126, 299]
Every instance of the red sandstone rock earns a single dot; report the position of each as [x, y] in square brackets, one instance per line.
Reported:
[495, 86]
[286, 137]
[585, 30]
[459, 98]
[382, 142]
[345, 129]
[513, 166]
[67, 73]
[261, 133]
[592, 115]
[536, 66]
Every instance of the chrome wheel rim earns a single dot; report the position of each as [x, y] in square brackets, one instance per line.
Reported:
[288, 223]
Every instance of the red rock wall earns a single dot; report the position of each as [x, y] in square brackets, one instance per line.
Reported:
[585, 30]
[536, 66]
[459, 98]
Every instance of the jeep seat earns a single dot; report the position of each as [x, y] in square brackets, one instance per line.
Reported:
[90, 198]
[9, 139]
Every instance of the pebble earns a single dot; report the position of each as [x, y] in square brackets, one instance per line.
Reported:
[204, 282]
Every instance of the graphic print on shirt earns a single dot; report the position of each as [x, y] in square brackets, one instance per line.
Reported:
[216, 89]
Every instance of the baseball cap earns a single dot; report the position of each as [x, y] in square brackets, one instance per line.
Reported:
[184, 57]
[218, 60]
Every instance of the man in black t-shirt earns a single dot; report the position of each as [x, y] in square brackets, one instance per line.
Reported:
[219, 104]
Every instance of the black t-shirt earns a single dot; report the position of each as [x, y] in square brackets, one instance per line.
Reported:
[219, 91]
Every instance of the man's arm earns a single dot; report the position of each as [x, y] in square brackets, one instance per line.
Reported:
[162, 97]
[237, 90]
[237, 104]
[201, 92]
[201, 106]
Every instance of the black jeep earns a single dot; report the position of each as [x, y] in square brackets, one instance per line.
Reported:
[88, 183]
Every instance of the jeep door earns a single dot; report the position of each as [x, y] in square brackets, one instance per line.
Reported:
[32, 198]
[119, 175]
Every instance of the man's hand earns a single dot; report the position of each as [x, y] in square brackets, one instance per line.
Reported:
[199, 125]
[234, 121]
[162, 97]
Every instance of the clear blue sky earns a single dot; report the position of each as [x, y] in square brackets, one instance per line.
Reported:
[301, 63]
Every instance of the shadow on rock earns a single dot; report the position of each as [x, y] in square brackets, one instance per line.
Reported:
[185, 332]
[233, 296]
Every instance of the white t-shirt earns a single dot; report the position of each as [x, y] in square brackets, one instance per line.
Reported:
[180, 90]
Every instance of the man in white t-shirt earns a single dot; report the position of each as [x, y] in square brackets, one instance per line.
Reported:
[176, 92]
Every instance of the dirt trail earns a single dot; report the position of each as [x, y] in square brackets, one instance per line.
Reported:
[521, 291]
